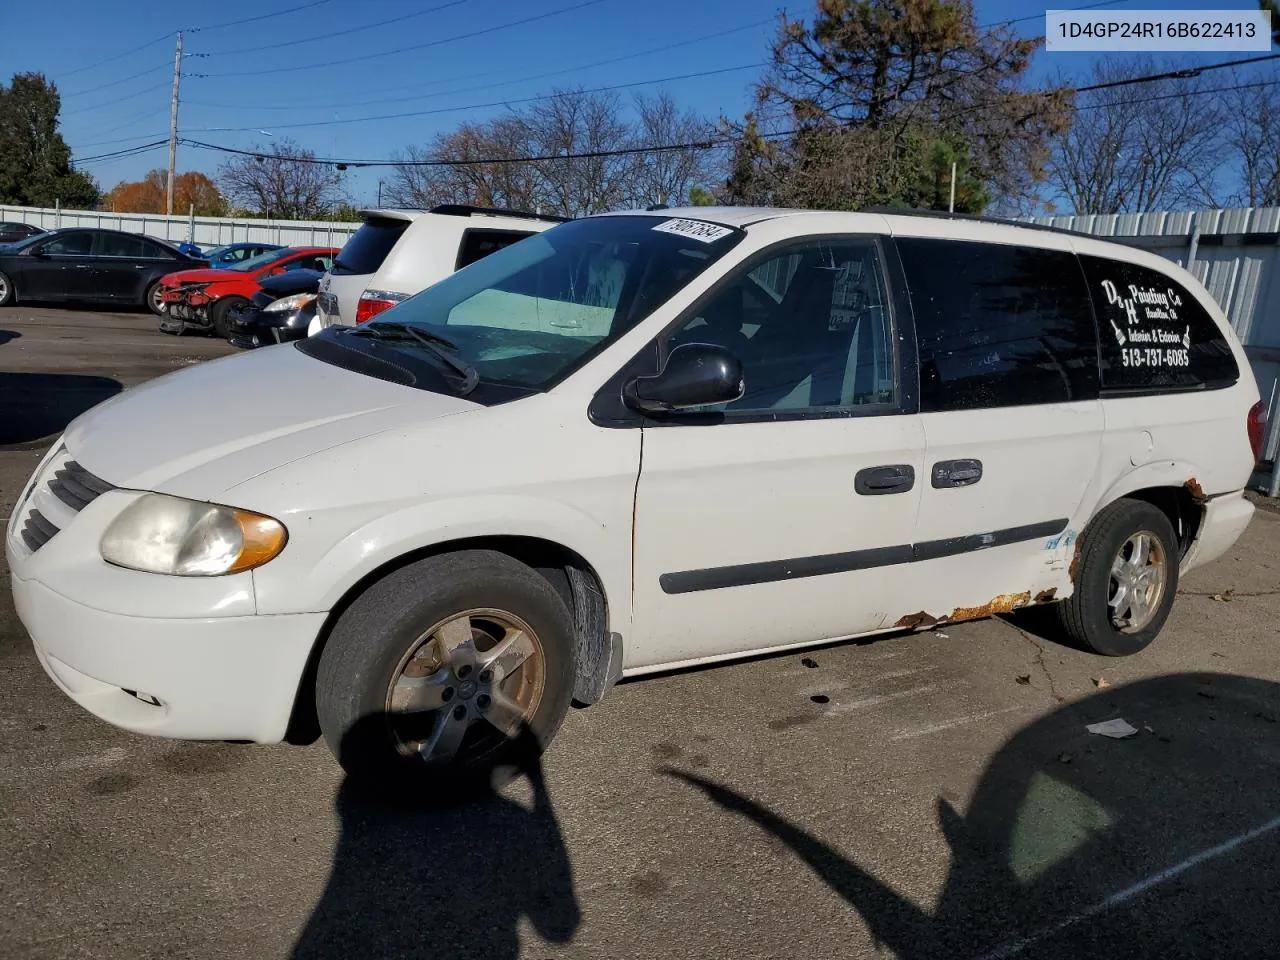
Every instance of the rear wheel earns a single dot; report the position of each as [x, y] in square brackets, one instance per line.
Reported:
[220, 314]
[447, 674]
[1125, 581]
[7, 294]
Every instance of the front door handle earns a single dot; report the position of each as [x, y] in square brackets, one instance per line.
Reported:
[955, 473]
[876, 481]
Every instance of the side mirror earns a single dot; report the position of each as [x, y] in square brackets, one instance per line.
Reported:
[39, 253]
[695, 375]
[277, 271]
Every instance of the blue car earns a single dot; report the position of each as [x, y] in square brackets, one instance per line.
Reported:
[234, 254]
[190, 249]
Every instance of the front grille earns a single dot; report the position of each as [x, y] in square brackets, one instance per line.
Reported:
[77, 487]
[37, 531]
[69, 489]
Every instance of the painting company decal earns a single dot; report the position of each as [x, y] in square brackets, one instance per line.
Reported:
[1150, 337]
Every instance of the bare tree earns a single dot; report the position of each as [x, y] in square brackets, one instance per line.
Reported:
[1252, 133]
[533, 158]
[667, 176]
[1146, 146]
[282, 181]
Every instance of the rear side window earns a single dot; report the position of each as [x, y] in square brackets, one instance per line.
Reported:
[999, 325]
[478, 244]
[369, 246]
[1155, 335]
[123, 245]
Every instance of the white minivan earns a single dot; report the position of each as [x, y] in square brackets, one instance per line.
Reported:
[630, 443]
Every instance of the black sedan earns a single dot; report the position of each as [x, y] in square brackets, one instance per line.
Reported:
[13, 232]
[279, 312]
[76, 263]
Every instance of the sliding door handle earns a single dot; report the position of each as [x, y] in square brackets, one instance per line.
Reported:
[875, 481]
[955, 473]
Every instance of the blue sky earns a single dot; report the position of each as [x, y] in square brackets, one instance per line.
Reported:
[251, 96]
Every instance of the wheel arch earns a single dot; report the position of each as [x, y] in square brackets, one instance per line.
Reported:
[1170, 486]
[570, 574]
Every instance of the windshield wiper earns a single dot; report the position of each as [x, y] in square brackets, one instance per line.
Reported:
[439, 347]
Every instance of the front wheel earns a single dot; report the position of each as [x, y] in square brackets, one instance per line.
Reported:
[1125, 580]
[7, 294]
[443, 674]
[152, 299]
[220, 314]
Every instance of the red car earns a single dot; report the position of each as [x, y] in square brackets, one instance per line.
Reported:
[204, 299]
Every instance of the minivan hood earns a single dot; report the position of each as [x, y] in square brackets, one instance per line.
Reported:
[197, 432]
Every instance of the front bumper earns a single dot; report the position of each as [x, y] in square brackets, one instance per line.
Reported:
[207, 678]
[201, 664]
[252, 327]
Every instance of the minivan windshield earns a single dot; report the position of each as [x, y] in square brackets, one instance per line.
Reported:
[530, 314]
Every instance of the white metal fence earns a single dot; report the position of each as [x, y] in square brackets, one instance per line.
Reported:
[206, 232]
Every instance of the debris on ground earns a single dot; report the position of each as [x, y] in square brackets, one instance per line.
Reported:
[944, 636]
[820, 698]
[809, 662]
[1023, 678]
[1064, 758]
[1101, 683]
[1116, 729]
[1150, 729]
[1223, 597]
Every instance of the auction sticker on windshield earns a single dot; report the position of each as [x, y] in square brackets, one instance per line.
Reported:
[694, 229]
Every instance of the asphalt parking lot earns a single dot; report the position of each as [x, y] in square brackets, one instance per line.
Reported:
[923, 796]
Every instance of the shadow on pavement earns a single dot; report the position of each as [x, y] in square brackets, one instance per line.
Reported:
[1163, 845]
[36, 405]
[7, 335]
[422, 881]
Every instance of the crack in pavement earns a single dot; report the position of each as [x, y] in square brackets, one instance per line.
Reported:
[1039, 658]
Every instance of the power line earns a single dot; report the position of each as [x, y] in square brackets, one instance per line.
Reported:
[1041, 16]
[1180, 93]
[118, 56]
[335, 34]
[104, 143]
[1183, 74]
[116, 83]
[262, 16]
[128, 152]
[418, 46]
[490, 86]
[472, 106]
[98, 106]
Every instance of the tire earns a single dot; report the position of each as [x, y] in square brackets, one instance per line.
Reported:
[365, 694]
[220, 315]
[8, 294]
[1086, 617]
[151, 299]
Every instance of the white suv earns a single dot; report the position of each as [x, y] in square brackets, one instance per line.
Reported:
[435, 530]
[396, 253]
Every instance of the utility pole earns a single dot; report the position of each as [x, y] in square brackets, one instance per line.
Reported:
[173, 126]
[950, 209]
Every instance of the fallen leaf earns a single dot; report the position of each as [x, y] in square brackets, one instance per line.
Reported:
[1064, 758]
[1060, 698]
[1101, 683]
[1147, 727]
[809, 662]
[1023, 679]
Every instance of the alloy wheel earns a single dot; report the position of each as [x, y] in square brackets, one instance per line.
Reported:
[1139, 575]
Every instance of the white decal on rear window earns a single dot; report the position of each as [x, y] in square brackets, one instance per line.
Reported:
[1150, 316]
[694, 230]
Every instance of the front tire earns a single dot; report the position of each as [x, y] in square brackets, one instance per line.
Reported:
[152, 299]
[444, 676]
[1126, 580]
[220, 315]
[8, 294]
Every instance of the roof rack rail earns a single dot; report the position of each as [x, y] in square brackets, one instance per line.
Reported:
[465, 210]
[975, 218]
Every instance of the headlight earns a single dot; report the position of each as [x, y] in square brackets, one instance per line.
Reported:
[284, 304]
[187, 538]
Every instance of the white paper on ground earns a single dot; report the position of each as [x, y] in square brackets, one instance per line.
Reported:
[1117, 729]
